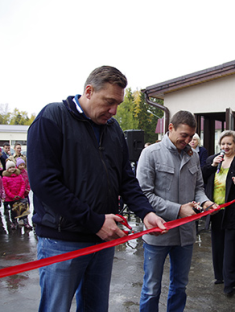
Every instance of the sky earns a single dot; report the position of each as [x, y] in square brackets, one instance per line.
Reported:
[49, 47]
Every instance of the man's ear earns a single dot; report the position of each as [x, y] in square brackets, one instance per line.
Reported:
[170, 127]
[89, 91]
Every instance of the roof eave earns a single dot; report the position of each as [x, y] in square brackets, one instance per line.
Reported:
[159, 90]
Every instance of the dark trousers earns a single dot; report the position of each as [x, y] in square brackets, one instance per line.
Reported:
[229, 260]
[8, 206]
[217, 241]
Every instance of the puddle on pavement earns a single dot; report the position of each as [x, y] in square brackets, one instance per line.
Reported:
[17, 246]
[132, 246]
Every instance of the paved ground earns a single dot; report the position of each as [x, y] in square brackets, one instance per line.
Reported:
[22, 293]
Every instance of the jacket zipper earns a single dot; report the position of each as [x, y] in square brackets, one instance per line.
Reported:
[104, 164]
[59, 224]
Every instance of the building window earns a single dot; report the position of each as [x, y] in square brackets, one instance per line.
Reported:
[18, 141]
[4, 141]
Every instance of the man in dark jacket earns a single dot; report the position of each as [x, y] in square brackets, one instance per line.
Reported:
[6, 150]
[76, 193]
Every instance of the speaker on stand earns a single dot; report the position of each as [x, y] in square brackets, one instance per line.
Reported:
[135, 143]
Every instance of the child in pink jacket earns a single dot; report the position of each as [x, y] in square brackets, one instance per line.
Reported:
[20, 164]
[14, 187]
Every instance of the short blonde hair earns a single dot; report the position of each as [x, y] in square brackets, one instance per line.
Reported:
[227, 133]
[197, 137]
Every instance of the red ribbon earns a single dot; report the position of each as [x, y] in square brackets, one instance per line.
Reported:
[88, 250]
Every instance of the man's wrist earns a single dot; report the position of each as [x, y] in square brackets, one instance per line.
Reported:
[179, 212]
[203, 205]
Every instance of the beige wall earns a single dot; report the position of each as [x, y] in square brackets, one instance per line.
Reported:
[213, 96]
[6, 136]
[14, 136]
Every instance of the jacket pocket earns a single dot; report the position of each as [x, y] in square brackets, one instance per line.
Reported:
[193, 174]
[165, 176]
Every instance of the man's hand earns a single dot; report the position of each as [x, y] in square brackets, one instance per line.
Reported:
[186, 210]
[209, 203]
[212, 206]
[151, 220]
[110, 230]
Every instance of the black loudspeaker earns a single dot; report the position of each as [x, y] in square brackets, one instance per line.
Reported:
[135, 143]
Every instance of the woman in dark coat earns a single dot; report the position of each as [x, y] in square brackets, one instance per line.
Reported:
[195, 143]
[220, 188]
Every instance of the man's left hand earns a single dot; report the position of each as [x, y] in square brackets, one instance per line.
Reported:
[151, 220]
[209, 203]
[212, 206]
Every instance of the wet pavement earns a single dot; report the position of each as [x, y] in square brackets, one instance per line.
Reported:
[22, 292]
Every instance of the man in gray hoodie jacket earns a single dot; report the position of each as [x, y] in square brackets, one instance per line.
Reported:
[170, 176]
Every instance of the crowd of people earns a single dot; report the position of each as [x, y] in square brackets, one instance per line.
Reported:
[76, 197]
[14, 186]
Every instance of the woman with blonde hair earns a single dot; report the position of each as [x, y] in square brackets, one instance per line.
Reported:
[220, 188]
[196, 146]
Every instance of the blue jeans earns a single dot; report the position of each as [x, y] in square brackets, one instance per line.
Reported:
[154, 259]
[88, 276]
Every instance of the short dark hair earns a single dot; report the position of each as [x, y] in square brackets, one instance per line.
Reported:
[101, 75]
[16, 143]
[6, 144]
[183, 117]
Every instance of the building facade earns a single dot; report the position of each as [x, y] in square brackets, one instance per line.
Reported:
[209, 94]
[13, 134]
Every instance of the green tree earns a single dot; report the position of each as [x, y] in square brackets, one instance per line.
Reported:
[30, 120]
[15, 118]
[154, 114]
[19, 118]
[5, 116]
[125, 112]
[135, 113]
[147, 121]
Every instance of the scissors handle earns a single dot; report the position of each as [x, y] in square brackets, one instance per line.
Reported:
[124, 222]
[207, 208]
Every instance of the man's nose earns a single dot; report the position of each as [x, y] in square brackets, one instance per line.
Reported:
[187, 140]
[113, 109]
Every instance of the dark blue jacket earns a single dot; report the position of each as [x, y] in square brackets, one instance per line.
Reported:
[202, 155]
[74, 179]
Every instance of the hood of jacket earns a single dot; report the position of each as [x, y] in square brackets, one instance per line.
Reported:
[6, 173]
